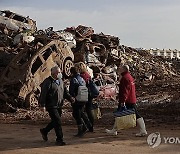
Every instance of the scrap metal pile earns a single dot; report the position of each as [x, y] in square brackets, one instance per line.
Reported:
[27, 54]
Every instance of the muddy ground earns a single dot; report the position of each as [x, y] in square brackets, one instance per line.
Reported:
[158, 103]
[26, 139]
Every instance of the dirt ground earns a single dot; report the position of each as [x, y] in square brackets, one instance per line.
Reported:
[19, 132]
[26, 139]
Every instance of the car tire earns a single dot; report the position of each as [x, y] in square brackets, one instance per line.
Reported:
[67, 66]
[31, 101]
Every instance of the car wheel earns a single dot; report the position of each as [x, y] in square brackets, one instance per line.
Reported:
[67, 66]
[31, 101]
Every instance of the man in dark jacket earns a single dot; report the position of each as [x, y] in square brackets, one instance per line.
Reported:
[127, 98]
[52, 94]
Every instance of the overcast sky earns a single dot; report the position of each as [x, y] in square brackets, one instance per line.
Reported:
[138, 23]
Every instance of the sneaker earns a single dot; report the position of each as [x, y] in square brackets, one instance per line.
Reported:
[60, 143]
[44, 135]
[141, 134]
[112, 131]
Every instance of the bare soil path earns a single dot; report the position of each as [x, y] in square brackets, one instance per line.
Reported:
[26, 139]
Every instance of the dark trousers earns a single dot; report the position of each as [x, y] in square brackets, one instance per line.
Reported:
[78, 113]
[133, 106]
[88, 109]
[55, 115]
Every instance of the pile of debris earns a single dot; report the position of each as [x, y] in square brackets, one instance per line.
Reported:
[14, 28]
[15, 32]
[103, 53]
[27, 54]
[145, 66]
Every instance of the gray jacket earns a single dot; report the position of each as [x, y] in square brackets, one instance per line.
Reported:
[53, 94]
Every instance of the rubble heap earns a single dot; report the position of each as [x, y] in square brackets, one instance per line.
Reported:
[27, 54]
[145, 66]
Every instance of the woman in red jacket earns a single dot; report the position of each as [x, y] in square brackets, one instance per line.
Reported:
[127, 98]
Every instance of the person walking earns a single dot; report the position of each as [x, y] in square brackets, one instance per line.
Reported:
[127, 98]
[53, 91]
[88, 106]
[78, 106]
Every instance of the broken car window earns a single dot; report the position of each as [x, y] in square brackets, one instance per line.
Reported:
[20, 18]
[47, 53]
[36, 65]
[26, 56]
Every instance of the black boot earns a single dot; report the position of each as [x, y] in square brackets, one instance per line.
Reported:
[89, 126]
[60, 143]
[85, 127]
[86, 122]
[81, 131]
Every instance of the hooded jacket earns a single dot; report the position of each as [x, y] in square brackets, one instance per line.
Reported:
[85, 76]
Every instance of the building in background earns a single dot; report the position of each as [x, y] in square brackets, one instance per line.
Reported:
[166, 53]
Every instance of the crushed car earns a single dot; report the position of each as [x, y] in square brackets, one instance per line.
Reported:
[20, 81]
[60, 34]
[16, 22]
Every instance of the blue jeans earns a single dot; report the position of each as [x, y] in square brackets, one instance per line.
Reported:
[133, 106]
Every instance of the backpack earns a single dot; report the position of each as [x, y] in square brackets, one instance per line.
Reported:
[93, 89]
[82, 94]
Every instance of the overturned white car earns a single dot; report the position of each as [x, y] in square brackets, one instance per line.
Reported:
[16, 22]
